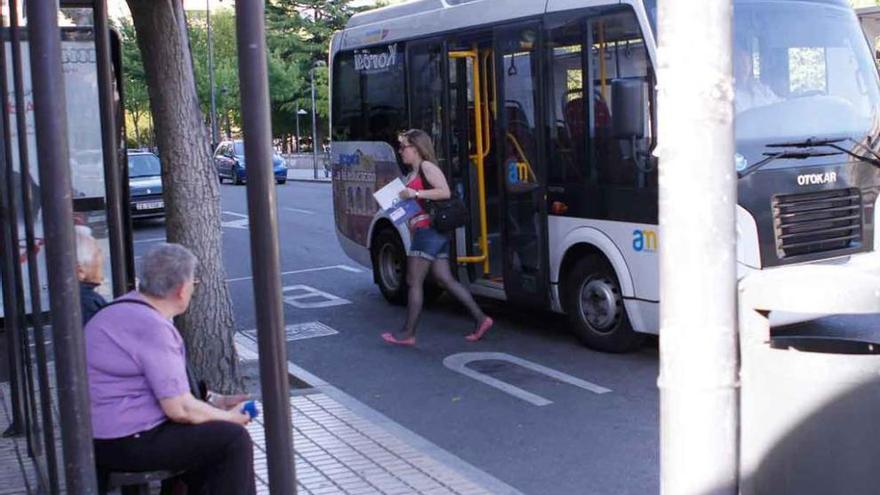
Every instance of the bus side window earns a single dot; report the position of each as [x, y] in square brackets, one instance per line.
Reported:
[566, 105]
[426, 93]
[618, 51]
[369, 99]
[347, 99]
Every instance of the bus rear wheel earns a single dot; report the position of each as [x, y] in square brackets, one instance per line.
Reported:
[389, 269]
[594, 304]
[389, 266]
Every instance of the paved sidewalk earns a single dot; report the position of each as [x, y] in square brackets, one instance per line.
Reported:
[344, 447]
[341, 447]
[339, 452]
[301, 167]
[307, 175]
[16, 470]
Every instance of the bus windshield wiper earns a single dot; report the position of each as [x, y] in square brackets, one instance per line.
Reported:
[790, 155]
[874, 159]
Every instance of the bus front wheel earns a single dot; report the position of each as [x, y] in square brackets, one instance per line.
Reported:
[594, 304]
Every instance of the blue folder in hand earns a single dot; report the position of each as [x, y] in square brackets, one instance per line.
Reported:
[404, 210]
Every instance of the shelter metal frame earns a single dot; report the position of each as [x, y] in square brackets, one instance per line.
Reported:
[32, 402]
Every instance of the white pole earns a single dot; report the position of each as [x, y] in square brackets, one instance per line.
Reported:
[698, 358]
[314, 129]
[297, 129]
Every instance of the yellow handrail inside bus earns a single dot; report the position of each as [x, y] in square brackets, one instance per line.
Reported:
[486, 137]
[483, 257]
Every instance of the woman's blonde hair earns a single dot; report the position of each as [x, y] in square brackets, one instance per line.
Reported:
[423, 143]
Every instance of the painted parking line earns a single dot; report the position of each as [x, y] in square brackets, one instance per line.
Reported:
[344, 268]
[154, 239]
[299, 331]
[241, 222]
[458, 363]
[297, 210]
[245, 348]
[306, 297]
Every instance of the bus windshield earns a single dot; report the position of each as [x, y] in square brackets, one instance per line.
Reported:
[802, 70]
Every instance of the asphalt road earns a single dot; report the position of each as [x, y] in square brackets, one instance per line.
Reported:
[579, 442]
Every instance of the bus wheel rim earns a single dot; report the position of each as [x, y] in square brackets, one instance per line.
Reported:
[390, 267]
[600, 304]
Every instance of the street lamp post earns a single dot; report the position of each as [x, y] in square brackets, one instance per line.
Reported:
[211, 77]
[299, 111]
[224, 92]
[314, 126]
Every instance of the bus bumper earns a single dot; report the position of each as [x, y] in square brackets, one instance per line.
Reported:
[859, 263]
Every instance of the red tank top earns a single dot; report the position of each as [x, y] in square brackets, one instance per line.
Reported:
[421, 220]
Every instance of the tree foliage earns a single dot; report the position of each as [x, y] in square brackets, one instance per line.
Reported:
[298, 36]
[134, 81]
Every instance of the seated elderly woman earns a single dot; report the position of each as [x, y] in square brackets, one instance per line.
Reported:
[89, 272]
[144, 417]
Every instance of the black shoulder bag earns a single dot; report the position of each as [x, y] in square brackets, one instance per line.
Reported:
[446, 214]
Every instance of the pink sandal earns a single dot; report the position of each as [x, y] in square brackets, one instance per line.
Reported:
[391, 339]
[478, 334]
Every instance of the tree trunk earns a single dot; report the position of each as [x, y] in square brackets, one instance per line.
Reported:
[136, 116]
[192, 195]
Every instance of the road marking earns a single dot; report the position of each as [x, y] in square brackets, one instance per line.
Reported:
[297, 210]
[344, 268]
[325, 300]
[240, 223]
[246, 352]
[398, 431]
[458, 362]
[154, 239]
[300, 331]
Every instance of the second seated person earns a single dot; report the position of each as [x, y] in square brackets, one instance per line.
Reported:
[144, 416]
[89, 272]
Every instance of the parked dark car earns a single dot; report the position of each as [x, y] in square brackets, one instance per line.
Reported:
[230, 164]
[145, 185]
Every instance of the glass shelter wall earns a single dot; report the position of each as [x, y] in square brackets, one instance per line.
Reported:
[27, 218]
[85, 147]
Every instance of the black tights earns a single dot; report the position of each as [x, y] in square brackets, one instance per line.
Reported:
[416, 272]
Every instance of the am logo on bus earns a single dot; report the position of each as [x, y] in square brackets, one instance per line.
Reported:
[644, 240]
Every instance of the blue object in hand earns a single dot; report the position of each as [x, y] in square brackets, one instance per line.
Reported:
[250, 407]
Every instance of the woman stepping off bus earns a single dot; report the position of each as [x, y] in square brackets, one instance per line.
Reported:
[429, 249]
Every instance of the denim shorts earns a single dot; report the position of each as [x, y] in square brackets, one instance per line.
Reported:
[429, 244]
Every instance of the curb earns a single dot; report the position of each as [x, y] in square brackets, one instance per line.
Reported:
[320, 181]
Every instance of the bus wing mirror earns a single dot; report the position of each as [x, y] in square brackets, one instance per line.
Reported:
[628, 108]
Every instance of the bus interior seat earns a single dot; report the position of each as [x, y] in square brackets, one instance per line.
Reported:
[520, 129]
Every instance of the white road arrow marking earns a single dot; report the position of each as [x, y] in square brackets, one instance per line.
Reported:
[458, 363]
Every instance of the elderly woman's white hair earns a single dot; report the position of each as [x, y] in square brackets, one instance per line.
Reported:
[86, 245]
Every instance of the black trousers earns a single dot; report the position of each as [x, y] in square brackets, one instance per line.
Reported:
[217, 457]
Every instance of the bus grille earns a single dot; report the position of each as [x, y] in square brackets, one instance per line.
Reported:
[817, 222]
